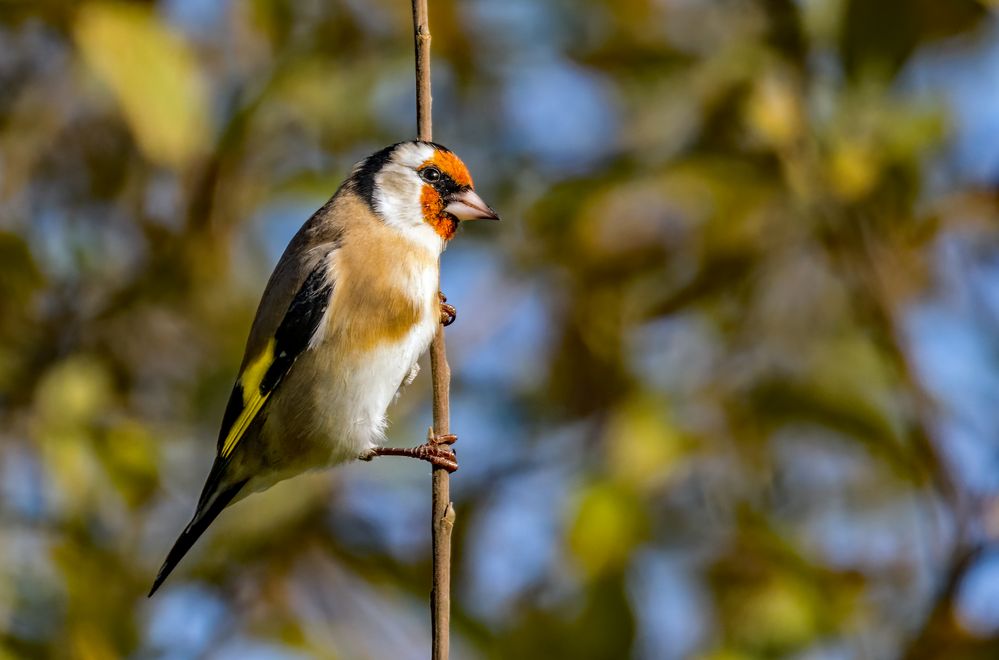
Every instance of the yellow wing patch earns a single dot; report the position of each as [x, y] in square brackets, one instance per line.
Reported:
[253, 400]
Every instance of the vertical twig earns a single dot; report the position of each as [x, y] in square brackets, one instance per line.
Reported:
[424, 100]
[442, 520]
[442, 509]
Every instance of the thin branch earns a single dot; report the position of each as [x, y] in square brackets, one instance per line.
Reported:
[424, 99]
[442, 520]
[443, 514]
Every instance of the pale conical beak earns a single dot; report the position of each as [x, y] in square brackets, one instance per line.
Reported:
[467, 205]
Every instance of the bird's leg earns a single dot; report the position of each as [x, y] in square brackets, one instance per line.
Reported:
[448, 312]
[435, 450]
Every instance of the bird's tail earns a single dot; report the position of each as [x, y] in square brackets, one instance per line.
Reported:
[205, 515]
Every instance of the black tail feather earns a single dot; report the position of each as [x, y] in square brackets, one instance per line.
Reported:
[202, 519]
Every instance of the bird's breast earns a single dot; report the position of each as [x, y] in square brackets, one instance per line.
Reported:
[384, 291]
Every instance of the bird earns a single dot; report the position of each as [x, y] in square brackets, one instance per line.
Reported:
[351, 306]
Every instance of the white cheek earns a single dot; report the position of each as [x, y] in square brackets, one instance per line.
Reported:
[397, 201]
[397, 198]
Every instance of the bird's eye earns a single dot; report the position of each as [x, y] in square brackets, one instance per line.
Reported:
[430, 174]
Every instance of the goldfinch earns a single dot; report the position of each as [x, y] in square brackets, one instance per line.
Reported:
[351, 306]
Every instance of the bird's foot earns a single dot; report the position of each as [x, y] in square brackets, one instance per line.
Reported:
[448, 312]
[436, 451]
[445, 439]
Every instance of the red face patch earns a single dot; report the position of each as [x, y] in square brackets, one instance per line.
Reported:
[452, 166]
[433, 213]
[430, 200]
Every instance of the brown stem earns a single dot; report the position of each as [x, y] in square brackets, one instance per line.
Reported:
[442, 511]
[443, 515]
[424, 99]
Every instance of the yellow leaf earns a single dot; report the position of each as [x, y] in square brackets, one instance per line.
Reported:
[86, 643]
[642, 446]
[774, 110]
[609, 523]
[726, 654]
[73, 393]
[854, 168]
[779, 614]
[130, 458]
[71, 398]
[153, 76]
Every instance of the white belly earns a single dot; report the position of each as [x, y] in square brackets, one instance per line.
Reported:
[342, 403]
[370, 386]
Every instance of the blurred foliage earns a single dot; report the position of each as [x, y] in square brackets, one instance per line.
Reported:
[694, 417]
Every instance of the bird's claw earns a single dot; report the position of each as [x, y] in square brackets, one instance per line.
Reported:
[442, 443]
[448, 312]
[438, 455]
[446, 439]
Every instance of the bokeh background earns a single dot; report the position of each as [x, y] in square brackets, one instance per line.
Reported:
[726, 376]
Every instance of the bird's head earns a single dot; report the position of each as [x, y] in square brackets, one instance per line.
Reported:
[420, 188]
